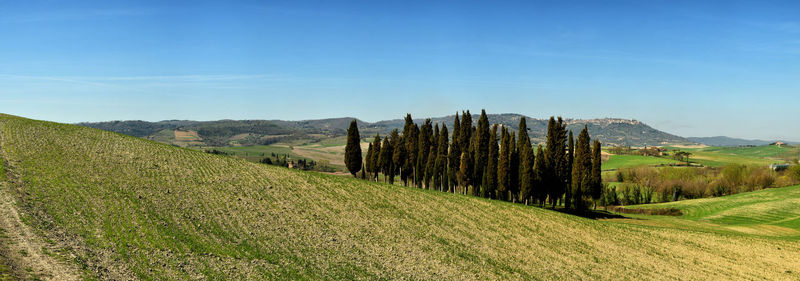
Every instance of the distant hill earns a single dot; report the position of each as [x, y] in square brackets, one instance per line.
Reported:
[138, 128]
[610, 131]
[728, 141]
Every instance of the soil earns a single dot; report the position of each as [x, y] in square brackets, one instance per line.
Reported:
[25, 253]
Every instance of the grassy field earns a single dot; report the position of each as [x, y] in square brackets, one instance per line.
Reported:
[758, 151]
[329, 150]
[721, 156]
[128, 208]
[708, 156]
[772, 212]
[623, 161]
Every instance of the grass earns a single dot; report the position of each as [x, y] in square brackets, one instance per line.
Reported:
[136, 209]
[758, 151]
[773, 212]
[707, 156]
[721, 156]
[623, 161]
[329, 152]
[260, 151]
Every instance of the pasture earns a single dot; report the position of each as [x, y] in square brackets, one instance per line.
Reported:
[768, 212]
[625, 161]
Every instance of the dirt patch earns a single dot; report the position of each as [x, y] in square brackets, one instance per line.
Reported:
[181, 135]
[25, 254]
[690, 146]
[333, 159]
[659, 212]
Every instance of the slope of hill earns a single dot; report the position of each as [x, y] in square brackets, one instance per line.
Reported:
[727, 141]
[610, 131]
[132, 208]
[773, 211]
[138, 128]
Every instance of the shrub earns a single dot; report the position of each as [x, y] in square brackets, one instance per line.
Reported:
[609, 197]
[794, 172]
[647, 194]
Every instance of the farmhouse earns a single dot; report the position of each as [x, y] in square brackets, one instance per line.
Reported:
[779, 143]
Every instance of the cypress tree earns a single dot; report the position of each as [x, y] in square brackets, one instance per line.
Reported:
[410, 134]
[467, 146]
[463, 174]
[503, 163]
[474, 182]
[386, 159]
[581, 172]
[564, 170]
[363, 172]
[368, 160]
[423, 149]
[513, 169]
[570, 163]
[454, 155]
[376, 154]
[432, 154]
[539, 175]
[398, 154]
[556, 160]
[597, 181]
[441, 160]
[465, 137]
[491, 167]
[526, 162]
[352, 151]
[481, 148]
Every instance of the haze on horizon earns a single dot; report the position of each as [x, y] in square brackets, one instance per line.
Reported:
[689, 68]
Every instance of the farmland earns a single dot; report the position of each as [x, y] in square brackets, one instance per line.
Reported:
[720, 156]
[769, 212]
[623, 161]
[707, 156]
[119, 207]
[327, 151]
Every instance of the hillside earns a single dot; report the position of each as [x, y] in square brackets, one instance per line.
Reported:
[772, 212]
[129, 208]
[728, 141]
[610, 131]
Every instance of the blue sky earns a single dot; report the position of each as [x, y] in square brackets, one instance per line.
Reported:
[692, 68]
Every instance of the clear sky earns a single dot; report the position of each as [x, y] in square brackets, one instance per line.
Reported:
[692, 68]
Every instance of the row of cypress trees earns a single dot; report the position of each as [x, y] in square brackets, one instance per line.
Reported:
[488, 161]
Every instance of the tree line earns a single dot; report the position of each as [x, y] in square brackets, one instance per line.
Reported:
[490, 161]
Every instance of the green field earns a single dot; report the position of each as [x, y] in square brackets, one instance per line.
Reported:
[256, 152]
[118, 207]
[625, 161]
[326, 151]
[774, 212]
[758, 151]
[721, 156]
[708, 156]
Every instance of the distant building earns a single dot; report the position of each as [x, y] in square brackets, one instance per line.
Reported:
[780, 143]
[778, 167]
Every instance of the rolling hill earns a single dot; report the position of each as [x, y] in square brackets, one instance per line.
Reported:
[610, 131]
[117, 207]
[772, 212]
[728, 141]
